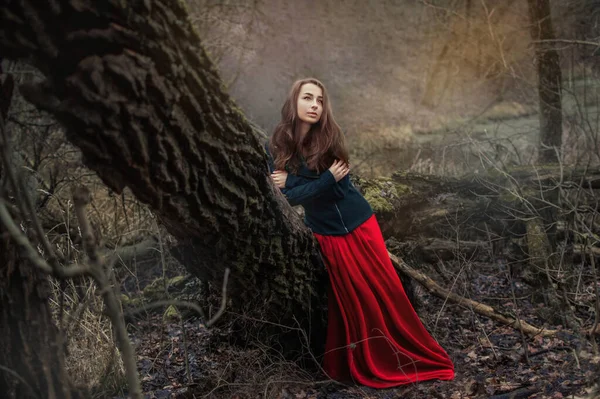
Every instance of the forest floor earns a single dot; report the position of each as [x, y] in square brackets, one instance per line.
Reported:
[491, 360]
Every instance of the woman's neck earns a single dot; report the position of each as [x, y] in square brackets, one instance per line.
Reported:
[303, 129]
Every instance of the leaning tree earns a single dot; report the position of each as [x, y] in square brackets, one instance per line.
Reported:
[138, 95]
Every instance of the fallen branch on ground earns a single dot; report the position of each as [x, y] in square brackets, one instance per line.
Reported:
[477, 307]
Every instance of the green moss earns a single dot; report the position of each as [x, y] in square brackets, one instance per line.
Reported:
[538, 245]
[382, 192]
[402, 189]
[176, 280]
[380, 205]
[156, 289]
[439, 213]
[171, 313]
[156, 284]
[537, 241]
[129, 302]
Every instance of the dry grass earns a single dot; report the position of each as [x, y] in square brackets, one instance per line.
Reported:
[253, 373]
[259, 369]
[92, 358]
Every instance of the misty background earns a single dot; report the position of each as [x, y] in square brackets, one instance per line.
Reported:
[448, 90]
[406, 78]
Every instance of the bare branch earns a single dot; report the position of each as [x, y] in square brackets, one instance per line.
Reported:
[21, 380]
[223, 300]
[568, 41]
[477, 307]
[81, 198]
[22, 240]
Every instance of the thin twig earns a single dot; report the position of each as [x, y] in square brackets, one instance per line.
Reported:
[477, 307]
[21, 380]
[81, 198]
[185, 352]
[31, 253]
[514, 299]
[568, 41]
[25, 203]
[217, 316]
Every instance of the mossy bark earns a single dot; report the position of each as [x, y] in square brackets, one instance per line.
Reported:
[138, 95]
[507, 216]
[496, 203]
[538, 273]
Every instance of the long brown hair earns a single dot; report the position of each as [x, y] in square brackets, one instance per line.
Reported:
[323, 143]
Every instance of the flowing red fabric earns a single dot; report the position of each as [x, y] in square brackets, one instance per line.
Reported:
[374, 336]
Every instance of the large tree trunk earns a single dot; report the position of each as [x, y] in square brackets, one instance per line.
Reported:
[549, 79]
[140, 98]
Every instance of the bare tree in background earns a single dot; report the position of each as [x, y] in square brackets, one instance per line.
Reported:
[549, 80]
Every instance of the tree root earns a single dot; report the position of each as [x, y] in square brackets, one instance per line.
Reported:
[477, 307]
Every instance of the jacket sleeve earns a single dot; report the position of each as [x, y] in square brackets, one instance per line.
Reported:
[341, 188]
[299, 194]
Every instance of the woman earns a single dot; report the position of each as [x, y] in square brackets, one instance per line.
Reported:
[374, 337]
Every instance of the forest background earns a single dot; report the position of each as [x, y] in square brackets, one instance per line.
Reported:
[440, 103]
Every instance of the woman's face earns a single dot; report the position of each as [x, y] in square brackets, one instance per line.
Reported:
[310, 103]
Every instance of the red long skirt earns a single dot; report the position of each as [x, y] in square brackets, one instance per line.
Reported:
[374, 336]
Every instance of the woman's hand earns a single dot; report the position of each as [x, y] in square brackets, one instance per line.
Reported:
[339, 170]
[279, 177]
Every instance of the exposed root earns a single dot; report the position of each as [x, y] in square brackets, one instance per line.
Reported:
[477, 307]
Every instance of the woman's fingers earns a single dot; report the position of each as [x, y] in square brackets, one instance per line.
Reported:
[339, 169]
[343, 167]
[279, 177]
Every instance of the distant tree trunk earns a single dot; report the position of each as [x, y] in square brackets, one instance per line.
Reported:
[549, 79]
[457, 39]
[140, 98]
[430, 96]
[32, 357]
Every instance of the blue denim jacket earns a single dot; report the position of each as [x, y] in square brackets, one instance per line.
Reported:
[330, 208]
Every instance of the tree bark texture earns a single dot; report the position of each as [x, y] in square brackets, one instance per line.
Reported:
[412, 205]
[549, 79]
[141, 99]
